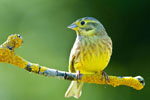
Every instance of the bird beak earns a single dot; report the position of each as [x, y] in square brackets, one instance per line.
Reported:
[73, 26]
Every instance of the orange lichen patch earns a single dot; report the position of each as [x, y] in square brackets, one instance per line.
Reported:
[34, 68]
[94, 78]
[43, 69]
[5, 55]
[132, 82]
[18, 61]
[14, 41]
[113, 80]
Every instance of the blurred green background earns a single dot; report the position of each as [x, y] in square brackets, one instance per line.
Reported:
[47, 41]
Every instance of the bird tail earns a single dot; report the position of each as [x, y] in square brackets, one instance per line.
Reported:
[74, 89]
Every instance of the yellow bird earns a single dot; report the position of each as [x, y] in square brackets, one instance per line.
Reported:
[91, 51]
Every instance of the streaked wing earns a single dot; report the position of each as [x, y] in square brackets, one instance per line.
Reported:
[74, 57]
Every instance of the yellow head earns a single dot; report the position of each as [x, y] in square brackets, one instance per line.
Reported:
[88, 26]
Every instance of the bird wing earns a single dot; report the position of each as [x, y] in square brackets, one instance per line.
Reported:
[71, 65]
[74, 58]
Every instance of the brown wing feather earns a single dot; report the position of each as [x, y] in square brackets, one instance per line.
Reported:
[71, 65]
[74, 57]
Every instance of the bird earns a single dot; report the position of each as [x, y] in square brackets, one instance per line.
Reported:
[90, 53]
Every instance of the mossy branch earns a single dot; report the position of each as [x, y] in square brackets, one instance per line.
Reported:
[7, 55]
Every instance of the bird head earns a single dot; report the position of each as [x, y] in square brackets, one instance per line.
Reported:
[88, 26]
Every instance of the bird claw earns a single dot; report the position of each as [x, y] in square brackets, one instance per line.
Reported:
[104, 75]
[78, 75]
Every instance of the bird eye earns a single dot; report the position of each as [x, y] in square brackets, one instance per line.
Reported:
[83, 22]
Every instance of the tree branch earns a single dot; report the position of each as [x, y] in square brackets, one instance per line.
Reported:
[7, 55]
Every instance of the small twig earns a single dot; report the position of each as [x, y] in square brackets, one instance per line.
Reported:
[7, 55]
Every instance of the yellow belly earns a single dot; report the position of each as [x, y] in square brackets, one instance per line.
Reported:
[92, 62]
[90, 54]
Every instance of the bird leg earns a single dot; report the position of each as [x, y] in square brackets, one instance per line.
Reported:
[104, 75]
[78, 74]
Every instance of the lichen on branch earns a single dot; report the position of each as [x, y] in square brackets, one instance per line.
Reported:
[8, 55]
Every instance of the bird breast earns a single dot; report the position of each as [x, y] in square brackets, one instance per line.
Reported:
[92, 54]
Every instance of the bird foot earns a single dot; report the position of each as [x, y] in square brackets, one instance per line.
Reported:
[78, 74]
[104, 75]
